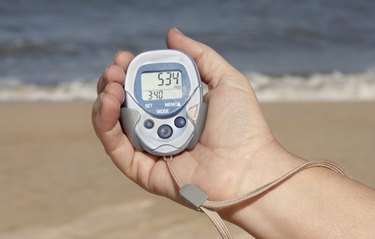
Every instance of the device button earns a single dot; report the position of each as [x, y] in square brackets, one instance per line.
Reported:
[165, 131]
[180, 122]
[148, 124]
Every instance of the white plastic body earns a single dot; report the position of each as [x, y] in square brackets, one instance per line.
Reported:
[194, 110]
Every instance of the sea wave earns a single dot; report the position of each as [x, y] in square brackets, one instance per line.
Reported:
[15, 91]
[334, 86]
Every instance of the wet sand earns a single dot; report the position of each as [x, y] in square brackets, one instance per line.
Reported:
[56, 181]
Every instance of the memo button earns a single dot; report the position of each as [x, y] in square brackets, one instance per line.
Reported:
[165, 131]
[180, 122]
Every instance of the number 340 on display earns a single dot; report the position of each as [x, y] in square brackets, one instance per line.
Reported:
[155, 94]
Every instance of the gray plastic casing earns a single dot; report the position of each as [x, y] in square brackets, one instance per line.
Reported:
[133, 116]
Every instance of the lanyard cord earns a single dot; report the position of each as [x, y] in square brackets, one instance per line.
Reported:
[199, 200]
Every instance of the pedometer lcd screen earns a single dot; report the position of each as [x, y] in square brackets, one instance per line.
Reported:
[161, 85]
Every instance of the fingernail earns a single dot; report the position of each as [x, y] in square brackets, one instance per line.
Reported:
[114, 57]
[106, 69]
[178, 31]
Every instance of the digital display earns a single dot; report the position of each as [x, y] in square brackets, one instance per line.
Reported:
[161, 85]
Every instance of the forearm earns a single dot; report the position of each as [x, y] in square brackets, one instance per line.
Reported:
[315, 203]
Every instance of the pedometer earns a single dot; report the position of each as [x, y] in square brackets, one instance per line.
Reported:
[163, 112]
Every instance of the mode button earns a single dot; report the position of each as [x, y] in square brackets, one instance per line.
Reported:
[165, 131]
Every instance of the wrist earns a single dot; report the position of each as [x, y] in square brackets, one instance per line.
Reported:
[281, 211]
[262, 168]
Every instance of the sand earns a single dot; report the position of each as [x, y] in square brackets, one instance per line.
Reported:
[56, 181]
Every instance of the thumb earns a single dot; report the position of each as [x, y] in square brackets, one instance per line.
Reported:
[212, 67]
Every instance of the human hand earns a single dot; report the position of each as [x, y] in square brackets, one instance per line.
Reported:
[236, 152]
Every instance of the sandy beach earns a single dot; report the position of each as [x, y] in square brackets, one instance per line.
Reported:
[56, 181]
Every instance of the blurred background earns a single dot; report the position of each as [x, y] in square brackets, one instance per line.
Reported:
[68, 43]
[311, 62]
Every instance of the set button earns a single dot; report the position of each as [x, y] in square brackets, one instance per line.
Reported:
[148, 124]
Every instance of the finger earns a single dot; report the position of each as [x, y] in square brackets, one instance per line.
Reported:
[212, 67]
[106, 108]
[112, 73]
[105, 115]
[123, 58]
[108, 129]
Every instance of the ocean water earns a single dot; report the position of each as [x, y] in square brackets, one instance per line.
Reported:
[314, 49]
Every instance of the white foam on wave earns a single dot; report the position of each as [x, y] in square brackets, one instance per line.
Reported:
[71, 91]
[316, 87]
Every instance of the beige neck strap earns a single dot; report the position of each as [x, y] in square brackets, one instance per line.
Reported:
[198, 200]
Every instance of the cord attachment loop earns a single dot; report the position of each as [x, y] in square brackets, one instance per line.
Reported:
[193, 196]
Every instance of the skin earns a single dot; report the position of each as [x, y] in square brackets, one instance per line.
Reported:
[236, 153]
